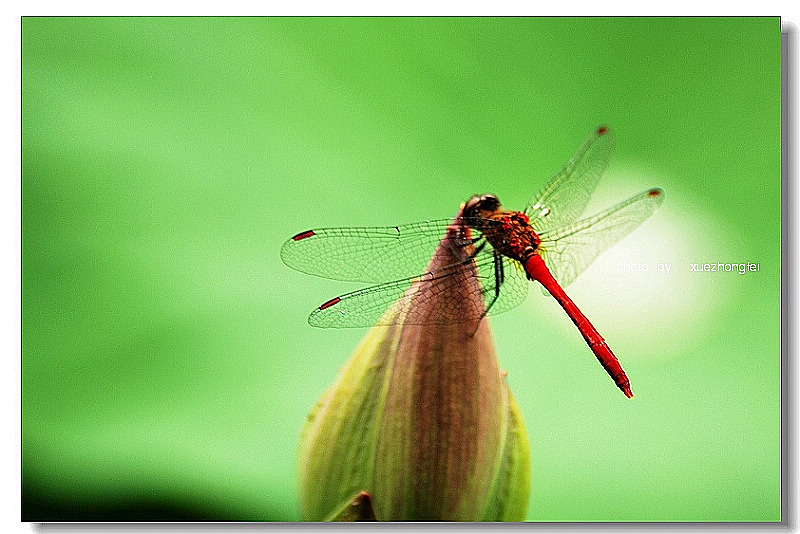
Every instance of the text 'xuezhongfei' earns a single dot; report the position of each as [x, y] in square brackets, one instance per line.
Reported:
[740, 268]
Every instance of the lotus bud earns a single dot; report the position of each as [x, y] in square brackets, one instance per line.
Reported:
[420, 424]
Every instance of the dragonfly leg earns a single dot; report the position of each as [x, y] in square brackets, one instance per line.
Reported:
[477, 251]
[499, 277]
[464, 242]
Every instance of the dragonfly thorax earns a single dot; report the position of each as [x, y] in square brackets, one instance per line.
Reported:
[509, 232]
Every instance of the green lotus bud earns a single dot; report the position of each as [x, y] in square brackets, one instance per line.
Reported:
[420, 424]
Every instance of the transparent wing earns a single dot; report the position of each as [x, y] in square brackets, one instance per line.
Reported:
[569, 251]
[453, 294]
[565, 196]
[372, 254]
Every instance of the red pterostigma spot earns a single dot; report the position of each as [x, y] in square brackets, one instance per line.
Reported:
[654, 193]
[303, 235]
[329, 303]
[602, 130]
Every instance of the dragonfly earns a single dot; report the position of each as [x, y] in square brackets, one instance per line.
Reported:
[548, 242]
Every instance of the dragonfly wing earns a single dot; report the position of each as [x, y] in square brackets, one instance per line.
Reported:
[565, 196]
[372, 254]
[418, 300]
[569, 251]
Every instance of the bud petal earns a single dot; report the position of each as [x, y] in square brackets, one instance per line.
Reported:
[421, 419]
[337, 447]
[509, 500]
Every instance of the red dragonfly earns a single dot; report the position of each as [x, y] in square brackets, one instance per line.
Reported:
[546, 242]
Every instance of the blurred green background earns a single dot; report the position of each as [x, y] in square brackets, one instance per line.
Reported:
[167, 364]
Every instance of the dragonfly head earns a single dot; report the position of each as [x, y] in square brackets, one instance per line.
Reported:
[481, 206]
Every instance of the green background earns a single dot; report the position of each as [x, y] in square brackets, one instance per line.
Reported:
[167, 363]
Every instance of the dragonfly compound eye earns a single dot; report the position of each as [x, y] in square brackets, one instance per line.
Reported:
[477, 206]
[489, 203]
[471, 206]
